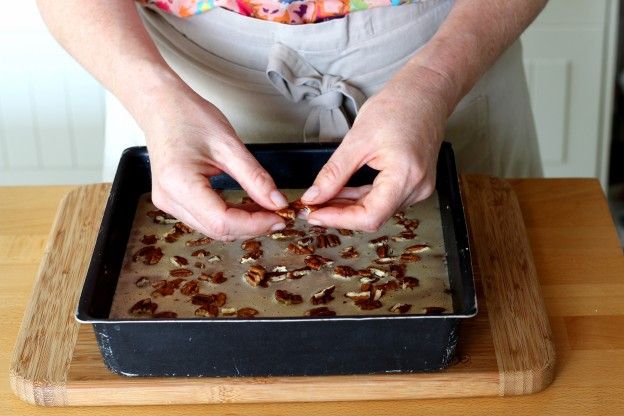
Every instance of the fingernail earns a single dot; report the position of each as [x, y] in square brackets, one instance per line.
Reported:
[278, 198]
[278, 226]
[314, 222]
[311, 193]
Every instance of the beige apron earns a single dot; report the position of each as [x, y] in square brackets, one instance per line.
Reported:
[289, 83]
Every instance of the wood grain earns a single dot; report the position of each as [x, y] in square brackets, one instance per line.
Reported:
[505, 351]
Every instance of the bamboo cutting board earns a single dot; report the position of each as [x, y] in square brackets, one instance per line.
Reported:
[506, 350]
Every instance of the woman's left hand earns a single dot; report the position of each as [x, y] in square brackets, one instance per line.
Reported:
[397, 132]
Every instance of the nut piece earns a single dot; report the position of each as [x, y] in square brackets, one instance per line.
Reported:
[165, 315]
[228, 311]
[286, 234]
[161, 217]
[345, 232]
[318, 229]
[216, 278]
[397, 270]
[379, 241]
[180, 273]
[410, 258]
[404, 235]
[198, 242]
[358, 295]
[201, 253]
[190, 288]
[183, 228]
[166, 287]
[327, 240]
[199, 265]
[368, 304]
[298, 249]
[213, 259]
[323, 296]
[321, 311]
[287, 298]
[400, 308]
[277, 274]
[408, 282]
[368, 280]
[208, 311]
[142, 281]
[251, 245]
[143, 307]
[149, 239]
[433, 310]
[251, 256]
[256, 276]
[202, 299]
[349, 253]
[298, 273]
[385, 260]
[287, 213]
[246, 312]
[388, 286]
[416, 248]
[301, 208]
[315, 262]
[344, 272]
[179, 261]
[148, 255]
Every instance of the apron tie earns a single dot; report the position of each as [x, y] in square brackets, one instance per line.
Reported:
[334, 103]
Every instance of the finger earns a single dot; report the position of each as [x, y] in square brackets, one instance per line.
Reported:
[388, 192]
[335, 173]
[354, 193]
[251, 176]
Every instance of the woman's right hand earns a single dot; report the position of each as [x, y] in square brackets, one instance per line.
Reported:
[189, 140]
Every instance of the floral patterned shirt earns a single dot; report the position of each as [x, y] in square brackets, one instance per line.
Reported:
[282, 11]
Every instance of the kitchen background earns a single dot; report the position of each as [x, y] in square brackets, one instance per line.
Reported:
[52, 113]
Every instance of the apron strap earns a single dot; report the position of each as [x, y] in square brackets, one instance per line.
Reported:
[334, 103]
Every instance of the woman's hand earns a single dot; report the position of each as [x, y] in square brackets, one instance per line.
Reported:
[397, 132]
[190, 140]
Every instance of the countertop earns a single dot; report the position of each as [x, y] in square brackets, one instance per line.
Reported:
[580, 266]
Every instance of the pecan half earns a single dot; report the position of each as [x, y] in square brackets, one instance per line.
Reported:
[379, 241]
[149, 239]
[400, 308]
[368, 304]
[208, 311]
[345, 232]
[410, 258]
[287, 298]
[200, 253]
[433, 310]
[148, 255]
[251, 256]
[323, 296]
[180, 273]
[297, 249]
[216, 278]
[358, 295]
[277, 274]
[286, 234]
[349, 253]
[166, 287]
[173, 235]
[213, 259]
[143, 307]
[388, 286]
[344, 272]
[416, 248]
[369, 280]
[327, 240]
[246, 312]
[165, 315]
[397, 270]
[161, 217]
[190, 288]
[404, 235]
[298, 273]
[228, 311]
[256, 275]
[318, 229]
[408, 282]
[183, 228]
[179, 261]
[217, 299]
[287, 213]
[199, 265]
[142, 281]
[315, 262]
[410, 225]
[251, 245]
[385, 260]
[198, 242]
[320, 311]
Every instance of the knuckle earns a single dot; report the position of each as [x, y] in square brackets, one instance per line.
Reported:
[330, 171]
[217, 227]
[372, 225]
[260, 177]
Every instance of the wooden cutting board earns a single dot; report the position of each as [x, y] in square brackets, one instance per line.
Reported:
[506, 350]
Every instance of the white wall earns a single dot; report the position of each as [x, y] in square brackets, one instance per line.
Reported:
[51, 110]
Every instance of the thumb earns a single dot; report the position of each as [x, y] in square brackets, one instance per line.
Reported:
[253, 178]
[335, 173]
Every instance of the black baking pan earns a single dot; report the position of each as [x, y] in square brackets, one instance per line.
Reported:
[272, 346]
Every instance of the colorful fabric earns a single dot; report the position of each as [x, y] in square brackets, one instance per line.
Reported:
[292, 12]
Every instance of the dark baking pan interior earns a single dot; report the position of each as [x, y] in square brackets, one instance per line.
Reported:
[272, 346]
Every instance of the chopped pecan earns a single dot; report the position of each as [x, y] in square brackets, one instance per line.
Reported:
[404, 235]
[149, 239]
[298, 273]
[323, 296]
[397, 270]
[385, 260]
[183, 228]
[256, 275]
[314, 261]
[358, 295]
[251, 256]
[375, 271]
[143, 307]
[327, 240]
[200, 253]
[173, 235]
[148, 255]
[344, 231]
[228, 311]
[198, 242]
[277, 274]
[217, 299]
[377, 294]
[216, 278]
[433, 310]
[190, 288]
[379, 241]
[382, 250]
[400, 308]
[305, 241]
[286, 234]
[142, 281]
[180, 273]
[408, 282]
[318, 229]
[409, 258]
[320, 311]
[416, 248]
[287, 298]
[344, 272]
[297, 249]
[368, 304]
[388, 286]
[399, 215]
[368, 280]
[251, 245]
[179, 261]
[287, 213]
[213, 259]
[246, 312]
[208, 311]
[199, 265]
[166, 287]
[161, 217]
[165, 315]
[349, 253]
[410, 225]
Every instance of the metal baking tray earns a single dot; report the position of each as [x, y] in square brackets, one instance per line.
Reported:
[291, 346]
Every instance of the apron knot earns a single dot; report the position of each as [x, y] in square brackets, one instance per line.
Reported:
[334, 103]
